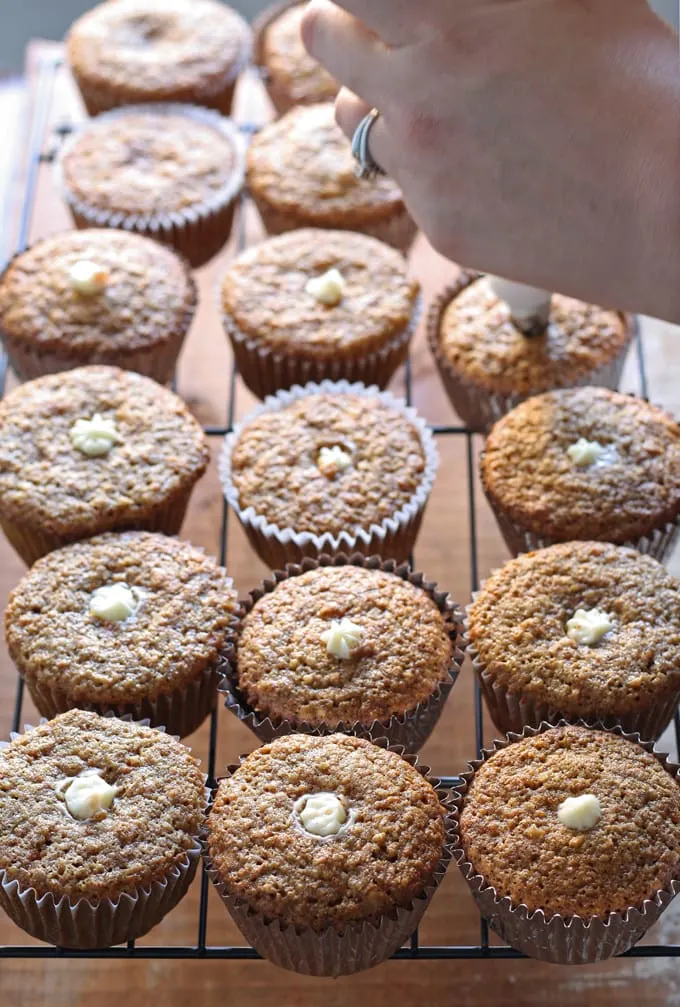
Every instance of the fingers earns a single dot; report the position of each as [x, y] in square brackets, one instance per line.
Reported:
[352, 53]
[397, 22]
[349, 111]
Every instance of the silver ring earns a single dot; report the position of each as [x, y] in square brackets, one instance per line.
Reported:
[366, 166]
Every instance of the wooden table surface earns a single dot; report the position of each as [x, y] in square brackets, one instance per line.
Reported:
[443, 552]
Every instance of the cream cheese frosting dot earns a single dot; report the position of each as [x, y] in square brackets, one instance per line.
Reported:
[87, 794]
[322, 814]
[580, 813]
[588, 626]
[342, 637]
[584, 452]
[88, 278]
[328, 289]
[94, 437]
[114, 602]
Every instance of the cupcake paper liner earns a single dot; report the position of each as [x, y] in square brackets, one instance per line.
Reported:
[565, 940]
[197, 232]
[480, 408]
[334, 951]
[393, 538]
[266, 371]
[85, 924]
[409, 730]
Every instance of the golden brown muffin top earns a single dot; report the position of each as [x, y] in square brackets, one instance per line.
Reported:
[518, 625]
[277, 463]
[287, 672]
[512, 836]
[303, 163]
[162, 47]
[148, 298]
[481, 342]
[264, 292]
[288, 62]
[384, 857]
[633, 488]
[184, 606]
[146, 161]
[154, 820]
[46, 480]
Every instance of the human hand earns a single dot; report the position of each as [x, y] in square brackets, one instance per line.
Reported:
[535, 139]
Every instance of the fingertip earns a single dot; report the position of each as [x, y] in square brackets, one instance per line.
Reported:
[310, 20]
[349, 111]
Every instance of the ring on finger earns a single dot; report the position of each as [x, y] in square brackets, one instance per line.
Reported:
[366, 166]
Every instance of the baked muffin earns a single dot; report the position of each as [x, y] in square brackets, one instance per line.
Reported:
[128, 622]
[158, 50]
[99, 822]
[584, 463]
[579, 630]
[96, 297]
[326, 851]
[358, 646]
[488, 364]
[330, 468]
[316, 304]
[92, 450]
[290, 74]
[301, 173]
[171, 172]
[570, 841]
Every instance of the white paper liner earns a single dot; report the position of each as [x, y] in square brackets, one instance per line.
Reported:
[393, 538]
[409, 730]
[566, 940]
[477, 406]
[198, 231]
[335, 951]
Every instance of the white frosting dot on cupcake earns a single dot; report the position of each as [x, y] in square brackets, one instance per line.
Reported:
[115, 602]
[580, 813]
[332, 460]
[87, 794]
[584, 452]
[343, 636]
[588, 626]
[328, 289]
[321, 814]
[94, 437]
[88, 278]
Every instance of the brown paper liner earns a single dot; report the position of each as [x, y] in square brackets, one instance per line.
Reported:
[478, 407]
[198, 232]
[85, 924]
[31, 542]
[565, 940]
[334, 951]
[266, 372]
[409, 730]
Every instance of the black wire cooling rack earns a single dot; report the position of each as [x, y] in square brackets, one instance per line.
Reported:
[414, 951]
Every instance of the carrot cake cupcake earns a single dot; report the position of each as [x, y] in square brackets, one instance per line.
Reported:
[291, 75]
[127, 622]
[301, 173]
[579, 630]
[570, 841]
[316, 304]
[584, 463]
[358, 646]
[99, 822]
[92, 450]
[96, 297]
[330, 468]
[326, 851]
[171, 172]
[490, 359]
[158, 50]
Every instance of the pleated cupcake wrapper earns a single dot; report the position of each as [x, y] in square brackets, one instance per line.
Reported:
[336, 951]
[31, 542]
[398, 230]
[478, 407]
[393, 538]
[565, 940]
[409, 730]
[199, 231]
[266, 372]
[86, 924]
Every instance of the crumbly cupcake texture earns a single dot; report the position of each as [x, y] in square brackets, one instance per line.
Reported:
[375, 465]
[518, 626]
[158, 50]
[480, 341]
[265, 293]
[159, 452]
[628, 491]
[146, 300]
[385, 855]
[512, 836]
[153, 822]
[184, 606]
[287, 672]
[289, 66]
